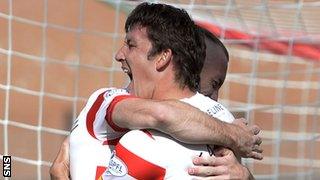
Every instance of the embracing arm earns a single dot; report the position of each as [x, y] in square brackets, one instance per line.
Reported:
[186, 124]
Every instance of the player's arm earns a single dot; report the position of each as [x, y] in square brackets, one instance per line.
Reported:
[186, 124]
[59, 169]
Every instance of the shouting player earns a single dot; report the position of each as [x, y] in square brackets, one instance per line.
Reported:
[170, 71]
[155, 75]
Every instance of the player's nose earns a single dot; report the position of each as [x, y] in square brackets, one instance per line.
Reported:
[120, 55]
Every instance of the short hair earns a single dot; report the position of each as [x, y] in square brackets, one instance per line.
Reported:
[172, 28]
[216, 60]
[210, 36]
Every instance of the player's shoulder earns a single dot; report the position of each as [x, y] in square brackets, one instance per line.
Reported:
[211, 107]
[106, 92]
[109, 92]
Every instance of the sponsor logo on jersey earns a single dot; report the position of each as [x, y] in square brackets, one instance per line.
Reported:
[215, 109]
[116, 167]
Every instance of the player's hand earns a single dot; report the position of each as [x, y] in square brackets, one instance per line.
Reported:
[224, 166]
[249, 141]
[59, 170]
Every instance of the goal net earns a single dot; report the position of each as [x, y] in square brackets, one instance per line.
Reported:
[53, 55]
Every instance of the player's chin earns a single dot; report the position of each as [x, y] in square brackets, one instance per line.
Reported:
[130, 76]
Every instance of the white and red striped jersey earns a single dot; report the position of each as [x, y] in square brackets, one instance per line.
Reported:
[94, 135]
[142, 154]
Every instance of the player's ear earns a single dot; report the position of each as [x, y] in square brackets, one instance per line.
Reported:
[164, 59]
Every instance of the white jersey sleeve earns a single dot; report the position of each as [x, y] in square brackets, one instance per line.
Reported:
[94, 133]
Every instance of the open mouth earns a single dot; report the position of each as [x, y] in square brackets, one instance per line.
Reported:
[127, 71]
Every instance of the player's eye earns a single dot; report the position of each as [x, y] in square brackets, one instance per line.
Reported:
[129, 44]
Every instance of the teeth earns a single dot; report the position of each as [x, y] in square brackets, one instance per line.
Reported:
[125, 70]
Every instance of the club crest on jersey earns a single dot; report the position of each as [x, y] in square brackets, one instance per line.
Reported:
[116, 166]
[111, 92]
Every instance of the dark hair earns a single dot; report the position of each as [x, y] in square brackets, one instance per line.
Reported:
[210, 36]
[217, 58]
[172, 28]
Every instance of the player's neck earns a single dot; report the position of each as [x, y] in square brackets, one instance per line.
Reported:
[179, 93]
[168, 89]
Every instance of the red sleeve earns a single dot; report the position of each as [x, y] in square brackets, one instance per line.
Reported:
[110, 111]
